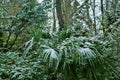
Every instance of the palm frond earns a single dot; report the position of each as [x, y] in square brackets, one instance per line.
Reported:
[50, 55]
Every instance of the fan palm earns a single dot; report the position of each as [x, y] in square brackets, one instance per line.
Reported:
[76, 59]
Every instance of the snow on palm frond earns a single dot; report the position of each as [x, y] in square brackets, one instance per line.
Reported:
[28, 45]
[49, 52]
[81, 49]
[50, 55]
[86, 52]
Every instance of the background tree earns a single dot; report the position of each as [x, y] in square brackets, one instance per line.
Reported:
[59, 13]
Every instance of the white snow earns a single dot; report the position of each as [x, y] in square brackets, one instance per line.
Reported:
[39, 1]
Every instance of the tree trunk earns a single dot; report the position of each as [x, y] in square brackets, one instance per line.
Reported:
[59, 14]
[102, 13]
[89, 20]
[66, 7]
[94, 17]
[107, 5]
[54, 17]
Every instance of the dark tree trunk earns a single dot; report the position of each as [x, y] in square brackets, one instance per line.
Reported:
[59, 14]
[54, 17]
[102, 12]
[94, 17]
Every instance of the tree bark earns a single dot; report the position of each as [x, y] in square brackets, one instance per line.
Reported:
[54, 17]
[94, 17]
[66, 7]
[102, 13]
[59, 14]
[107, 5]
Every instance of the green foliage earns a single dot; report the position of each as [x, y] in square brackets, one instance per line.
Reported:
[30, 14]
[66, 59]
[18, 66]
[70, 54]
[78, 58]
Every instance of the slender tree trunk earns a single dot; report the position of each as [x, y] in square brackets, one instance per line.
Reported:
[66, 7]
[54, 18]
[59, 14]
[94, 17]
[107, 5]
[102, 13]
[89, 21]
[114, 5]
